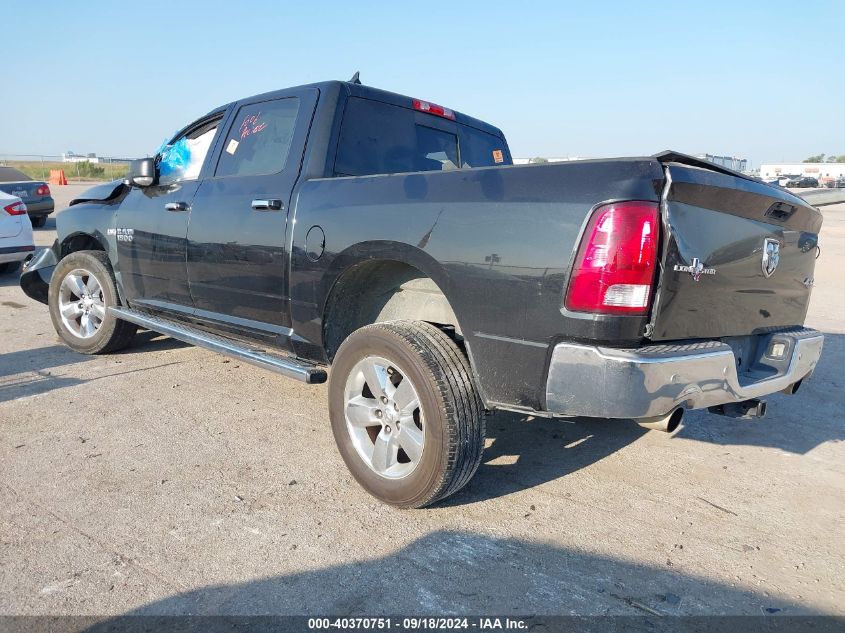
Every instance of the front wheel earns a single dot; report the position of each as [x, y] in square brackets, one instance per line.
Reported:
[405, 412]
[82, 290]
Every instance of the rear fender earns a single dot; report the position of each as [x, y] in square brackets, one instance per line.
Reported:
[310, 298]
[313, 282]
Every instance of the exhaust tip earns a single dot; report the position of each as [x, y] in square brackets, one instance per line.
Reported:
[793, 388]
[668, 423]
[675, 420]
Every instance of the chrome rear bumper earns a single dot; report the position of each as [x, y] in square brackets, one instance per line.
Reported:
[651, 381]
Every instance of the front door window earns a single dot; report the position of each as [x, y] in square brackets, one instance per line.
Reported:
[182, 157]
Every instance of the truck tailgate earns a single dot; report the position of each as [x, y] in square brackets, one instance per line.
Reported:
[737, 258]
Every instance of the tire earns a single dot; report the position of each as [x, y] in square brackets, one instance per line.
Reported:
[38, 221]
[87, 326]
[7, 268]
[442, 439]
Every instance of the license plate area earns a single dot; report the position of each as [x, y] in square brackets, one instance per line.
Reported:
[762, 356]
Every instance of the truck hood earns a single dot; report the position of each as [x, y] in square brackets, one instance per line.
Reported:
[101, 193]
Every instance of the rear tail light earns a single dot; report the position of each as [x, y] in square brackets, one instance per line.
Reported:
[614, 269]
[43, 190]
[16, 208]
[433, 108]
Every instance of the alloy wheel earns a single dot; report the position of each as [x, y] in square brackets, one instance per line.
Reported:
[384, 418]
[81, 303]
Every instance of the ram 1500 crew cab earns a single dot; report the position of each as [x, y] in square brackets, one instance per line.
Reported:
[391, 239]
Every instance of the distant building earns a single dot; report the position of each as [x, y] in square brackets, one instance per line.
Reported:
[731, 162]
[821, 171]
[558, 159]
[73, 157]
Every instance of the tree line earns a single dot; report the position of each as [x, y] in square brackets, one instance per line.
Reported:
[820, 158]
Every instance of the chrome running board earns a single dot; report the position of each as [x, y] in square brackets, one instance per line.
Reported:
[286, 365]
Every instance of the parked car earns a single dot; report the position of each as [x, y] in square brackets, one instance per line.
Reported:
[802, 182]
[835, 183]
[35, 194]
[393, 239]
[785, 178]
[16, 243]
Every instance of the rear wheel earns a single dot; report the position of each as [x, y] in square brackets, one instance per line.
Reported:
[7, 268]
[38, 221]
[405, 412]
[82, 290]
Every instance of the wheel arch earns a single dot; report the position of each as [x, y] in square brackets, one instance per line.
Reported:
[93, 241]
[368, 277]
[80, 241]
[372, 283]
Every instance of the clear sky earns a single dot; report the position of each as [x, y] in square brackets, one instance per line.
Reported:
[763, 80]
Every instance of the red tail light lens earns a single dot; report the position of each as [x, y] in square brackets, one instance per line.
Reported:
[16, 208]
[43, 190]
[433, 108]
[615, 265]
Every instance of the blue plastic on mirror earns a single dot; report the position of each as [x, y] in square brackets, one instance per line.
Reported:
[174, 159]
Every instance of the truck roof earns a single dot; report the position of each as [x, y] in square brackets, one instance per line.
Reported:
[368, 92]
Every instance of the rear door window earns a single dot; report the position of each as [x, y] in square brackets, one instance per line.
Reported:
[375, 138]
[379, 138]
[259, 139]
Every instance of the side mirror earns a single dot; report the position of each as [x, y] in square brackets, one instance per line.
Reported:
[142, 172]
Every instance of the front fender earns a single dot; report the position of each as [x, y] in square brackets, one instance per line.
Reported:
[87, 221]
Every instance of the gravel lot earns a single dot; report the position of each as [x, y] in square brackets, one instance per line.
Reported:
[167, 479]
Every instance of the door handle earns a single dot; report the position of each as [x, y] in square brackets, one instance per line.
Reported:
[267, 205]
[176, 206]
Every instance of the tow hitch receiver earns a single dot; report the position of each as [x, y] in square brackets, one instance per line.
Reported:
[744, 410]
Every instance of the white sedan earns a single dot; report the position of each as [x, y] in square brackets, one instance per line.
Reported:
[16, 243]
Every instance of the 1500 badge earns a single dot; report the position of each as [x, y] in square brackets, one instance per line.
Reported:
[122, 235]
[696, 269]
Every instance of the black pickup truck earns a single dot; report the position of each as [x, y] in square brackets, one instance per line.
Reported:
[393, 239]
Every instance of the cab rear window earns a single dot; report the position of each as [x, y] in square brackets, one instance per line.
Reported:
[379, 138]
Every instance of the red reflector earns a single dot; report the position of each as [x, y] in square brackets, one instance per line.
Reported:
[16, 208]
[433, 108]
[614, 269]
[43, 190]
